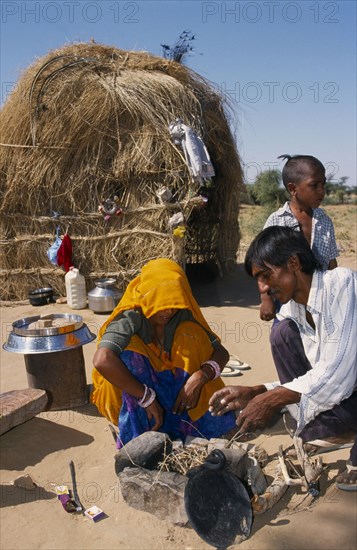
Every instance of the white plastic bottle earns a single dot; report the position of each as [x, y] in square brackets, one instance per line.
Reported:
[75, 289]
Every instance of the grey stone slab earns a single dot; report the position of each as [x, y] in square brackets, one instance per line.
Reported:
[158, 493]
[145, 451]
[191, 441]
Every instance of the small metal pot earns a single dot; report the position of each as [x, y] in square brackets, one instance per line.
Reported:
[104, 297]
[41, 296]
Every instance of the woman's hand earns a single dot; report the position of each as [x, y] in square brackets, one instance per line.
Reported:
[190, 393]
[155, 411]
[233, 398]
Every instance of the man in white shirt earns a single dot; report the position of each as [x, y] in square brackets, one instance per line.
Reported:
[314, 345]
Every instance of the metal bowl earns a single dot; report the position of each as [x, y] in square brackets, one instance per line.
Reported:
[72, 334]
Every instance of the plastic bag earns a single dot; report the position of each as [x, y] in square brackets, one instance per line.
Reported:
[53, 250]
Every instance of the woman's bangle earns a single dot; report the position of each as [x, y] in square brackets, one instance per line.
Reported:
[148, 397]
[215, 368]
[205, 373]
[142, 399]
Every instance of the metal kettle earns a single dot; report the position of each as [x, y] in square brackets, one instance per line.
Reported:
[104, 297]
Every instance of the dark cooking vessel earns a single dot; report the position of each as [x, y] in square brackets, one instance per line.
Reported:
[41, 296]
[217, 503]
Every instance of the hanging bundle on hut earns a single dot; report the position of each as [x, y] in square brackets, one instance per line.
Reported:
[86, 146]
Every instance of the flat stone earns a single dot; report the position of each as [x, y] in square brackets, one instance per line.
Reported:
[217, 444]
[237, 460]
[191, 441]
[145, 451]
[248, 447]
[24, 482]
[158, 493]
[177, 445]
[246, 468]
[255, 477]
[18, 406]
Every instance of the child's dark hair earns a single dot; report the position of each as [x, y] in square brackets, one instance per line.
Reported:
[294, 170]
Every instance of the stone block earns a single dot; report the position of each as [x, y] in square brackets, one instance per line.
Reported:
[158, 493]
[145, 451]
[191, 441]
[18, 406]
[217, 444]
[177, 445]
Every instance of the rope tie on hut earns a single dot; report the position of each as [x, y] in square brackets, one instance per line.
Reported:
[107, 236]
[33, 146]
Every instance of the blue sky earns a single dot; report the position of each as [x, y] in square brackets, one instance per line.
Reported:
[289, 67]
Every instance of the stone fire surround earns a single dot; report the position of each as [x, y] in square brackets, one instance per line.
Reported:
[146, 486]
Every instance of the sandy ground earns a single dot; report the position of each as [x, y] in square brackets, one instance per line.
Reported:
[43, 447]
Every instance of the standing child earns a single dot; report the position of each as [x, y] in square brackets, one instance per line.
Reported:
[305, 180]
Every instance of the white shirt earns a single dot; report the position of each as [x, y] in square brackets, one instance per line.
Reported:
[323, 241]
[331, 347]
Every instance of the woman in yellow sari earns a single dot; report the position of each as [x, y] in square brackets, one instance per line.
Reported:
[158, 362]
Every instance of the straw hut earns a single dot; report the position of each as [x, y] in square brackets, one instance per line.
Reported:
[88, 126]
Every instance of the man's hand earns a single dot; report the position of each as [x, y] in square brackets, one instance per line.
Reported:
[232, 398]
[267, 308]
[256, 414]
[262, 407]
[155, 411]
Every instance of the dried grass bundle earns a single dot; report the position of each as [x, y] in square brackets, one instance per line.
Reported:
[183, 460]
[88, 122]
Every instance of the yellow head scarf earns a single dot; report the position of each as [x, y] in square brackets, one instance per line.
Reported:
[162, 284]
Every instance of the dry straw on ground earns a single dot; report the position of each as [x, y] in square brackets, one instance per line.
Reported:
[88, 122]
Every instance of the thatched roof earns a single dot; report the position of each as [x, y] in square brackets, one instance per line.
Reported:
[88, 122]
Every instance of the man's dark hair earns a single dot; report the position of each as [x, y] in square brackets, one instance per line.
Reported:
[294, 170]
[275, 245]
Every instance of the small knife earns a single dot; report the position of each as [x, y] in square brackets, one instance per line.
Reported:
[79, 507]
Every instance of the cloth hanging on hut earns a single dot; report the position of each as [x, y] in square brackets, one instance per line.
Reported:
[64, 254]
[195, 151]
[52, 252]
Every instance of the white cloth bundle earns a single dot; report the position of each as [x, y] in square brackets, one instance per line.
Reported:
[195, 151]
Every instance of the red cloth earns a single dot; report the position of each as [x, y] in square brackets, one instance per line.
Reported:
[64, 254]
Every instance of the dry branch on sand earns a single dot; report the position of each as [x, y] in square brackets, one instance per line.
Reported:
[89, 122]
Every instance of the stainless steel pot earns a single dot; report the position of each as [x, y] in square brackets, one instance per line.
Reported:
[48, 333]
[104, 297]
